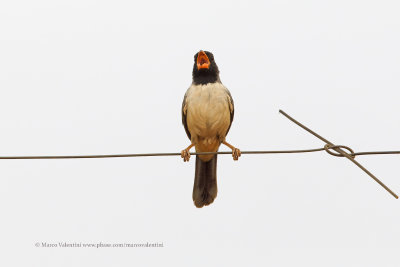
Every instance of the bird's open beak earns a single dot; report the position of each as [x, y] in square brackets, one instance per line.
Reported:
[202, 61]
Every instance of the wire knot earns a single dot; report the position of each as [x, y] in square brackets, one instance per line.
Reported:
[328, 148]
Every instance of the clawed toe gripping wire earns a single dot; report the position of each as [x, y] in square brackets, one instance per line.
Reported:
[330, 148]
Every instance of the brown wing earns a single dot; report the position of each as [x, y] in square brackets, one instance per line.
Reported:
[231, 109]
[184, 113]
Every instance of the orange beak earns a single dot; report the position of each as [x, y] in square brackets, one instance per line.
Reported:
[202, 61]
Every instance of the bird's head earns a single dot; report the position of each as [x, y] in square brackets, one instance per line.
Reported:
[205, 70]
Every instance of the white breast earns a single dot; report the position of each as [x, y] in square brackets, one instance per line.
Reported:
[208, 112]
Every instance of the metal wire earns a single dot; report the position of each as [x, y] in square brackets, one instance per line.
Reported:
[202, 153]
[340, 151]
[329, 146]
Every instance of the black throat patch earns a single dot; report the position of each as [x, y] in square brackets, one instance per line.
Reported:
[205, 78]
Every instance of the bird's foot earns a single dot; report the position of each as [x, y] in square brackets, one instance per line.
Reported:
[236, 153]
[185, 154]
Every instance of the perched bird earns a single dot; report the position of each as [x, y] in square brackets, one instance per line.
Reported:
[207, 114]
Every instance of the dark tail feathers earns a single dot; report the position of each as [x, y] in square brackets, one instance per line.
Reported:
[205, 182]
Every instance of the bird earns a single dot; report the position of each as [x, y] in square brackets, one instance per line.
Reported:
[207, 115]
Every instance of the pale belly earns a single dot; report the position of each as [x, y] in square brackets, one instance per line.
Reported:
[208, 116]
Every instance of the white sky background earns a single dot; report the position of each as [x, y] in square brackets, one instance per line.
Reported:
[97, 77]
